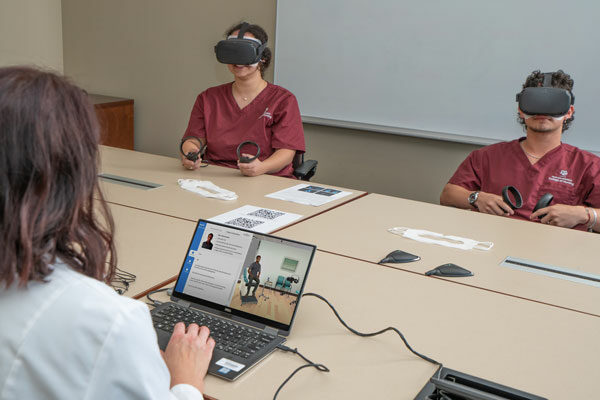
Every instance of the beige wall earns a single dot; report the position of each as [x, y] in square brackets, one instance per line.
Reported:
[31, 33]
[160, 53]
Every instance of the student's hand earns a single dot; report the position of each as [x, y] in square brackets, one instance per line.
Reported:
[253, 168]
[492, 204]
[188, 354]
[561, 215]
[193, 146]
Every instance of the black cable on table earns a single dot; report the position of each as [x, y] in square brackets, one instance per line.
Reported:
[309, 363]
[390, 328]
[323, 368]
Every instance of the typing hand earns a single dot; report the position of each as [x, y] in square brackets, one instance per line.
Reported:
[188, 354]
[492, 204]
[561, 215]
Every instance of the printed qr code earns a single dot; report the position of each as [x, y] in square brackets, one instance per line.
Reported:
[266, 214]
[245, 223]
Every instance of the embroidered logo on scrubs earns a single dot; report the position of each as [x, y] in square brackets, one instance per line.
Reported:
[266, 114]
[562, 178]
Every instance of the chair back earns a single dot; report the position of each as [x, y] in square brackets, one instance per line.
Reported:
[246, 275]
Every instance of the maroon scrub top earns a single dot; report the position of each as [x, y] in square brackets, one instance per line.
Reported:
[272, 120]
[570, 174]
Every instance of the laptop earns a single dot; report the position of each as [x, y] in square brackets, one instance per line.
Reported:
[245, 286]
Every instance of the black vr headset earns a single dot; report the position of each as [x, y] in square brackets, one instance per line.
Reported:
[240, 50]
[545, 99]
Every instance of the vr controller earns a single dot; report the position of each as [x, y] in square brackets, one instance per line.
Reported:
[544, 201]
[240, 50]
[545, 99]
[244, 159]
[192, 156]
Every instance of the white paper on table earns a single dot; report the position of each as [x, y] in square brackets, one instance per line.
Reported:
[308, 194]
[257, 219]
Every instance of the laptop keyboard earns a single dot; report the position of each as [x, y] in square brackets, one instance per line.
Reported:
[230, 337]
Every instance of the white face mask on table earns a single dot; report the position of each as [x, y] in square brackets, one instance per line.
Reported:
[456, 242]
[206, 189]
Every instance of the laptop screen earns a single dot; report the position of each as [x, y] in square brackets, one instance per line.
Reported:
[244, 273]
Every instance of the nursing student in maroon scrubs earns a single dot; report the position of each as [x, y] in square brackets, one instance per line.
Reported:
[247, 109]
[536, 164]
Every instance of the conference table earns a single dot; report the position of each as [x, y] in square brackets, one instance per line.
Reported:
[150, 246]
[532, 332]
[162, 218]
[146, 170]
[360, 230]
[548, 351]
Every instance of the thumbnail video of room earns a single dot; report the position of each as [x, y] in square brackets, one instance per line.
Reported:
[270, 289]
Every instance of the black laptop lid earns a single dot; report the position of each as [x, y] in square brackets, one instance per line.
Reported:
[221, 260]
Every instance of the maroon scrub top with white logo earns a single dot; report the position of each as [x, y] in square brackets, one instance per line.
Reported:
[570, 174]
[272, 120]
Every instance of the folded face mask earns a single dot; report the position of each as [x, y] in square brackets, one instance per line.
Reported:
[206, 189]
[456, 242]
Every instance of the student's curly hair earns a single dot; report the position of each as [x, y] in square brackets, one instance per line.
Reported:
[560, 79]
[261, 35]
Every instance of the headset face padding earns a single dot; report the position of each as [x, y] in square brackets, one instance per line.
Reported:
[545, 101]
[239, 51]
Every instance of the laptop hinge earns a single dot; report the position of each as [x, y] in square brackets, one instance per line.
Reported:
[184, 303]
[271, 331]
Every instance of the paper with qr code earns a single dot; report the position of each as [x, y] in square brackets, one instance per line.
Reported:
[308, 194]
[257, 219]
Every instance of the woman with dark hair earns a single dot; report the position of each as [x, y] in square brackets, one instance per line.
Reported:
[65, 333]
[247, 109]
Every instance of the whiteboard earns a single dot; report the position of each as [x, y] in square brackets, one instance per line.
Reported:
[441, 69]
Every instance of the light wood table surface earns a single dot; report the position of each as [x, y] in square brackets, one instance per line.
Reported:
[360, 230]
[150, 246]
[544, 350]
[171, 200]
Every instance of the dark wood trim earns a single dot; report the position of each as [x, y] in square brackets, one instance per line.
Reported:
[157, 286]
[114, 104]
[116, 118]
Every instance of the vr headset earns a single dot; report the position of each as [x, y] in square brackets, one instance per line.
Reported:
[545, 99]
[240, 50]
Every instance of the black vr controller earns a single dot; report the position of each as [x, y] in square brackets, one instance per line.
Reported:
[544, 201]
[244, 159]
[545, 99]
[518, 203]
[192, 156]
[240, 50]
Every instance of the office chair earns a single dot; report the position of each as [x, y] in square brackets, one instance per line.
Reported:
[279, 283]
[304, 170]
[287, 284]
[286, 287]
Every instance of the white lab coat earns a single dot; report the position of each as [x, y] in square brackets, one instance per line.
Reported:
[75, 338]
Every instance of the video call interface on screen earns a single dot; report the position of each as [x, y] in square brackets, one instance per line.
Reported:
[222, 266]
